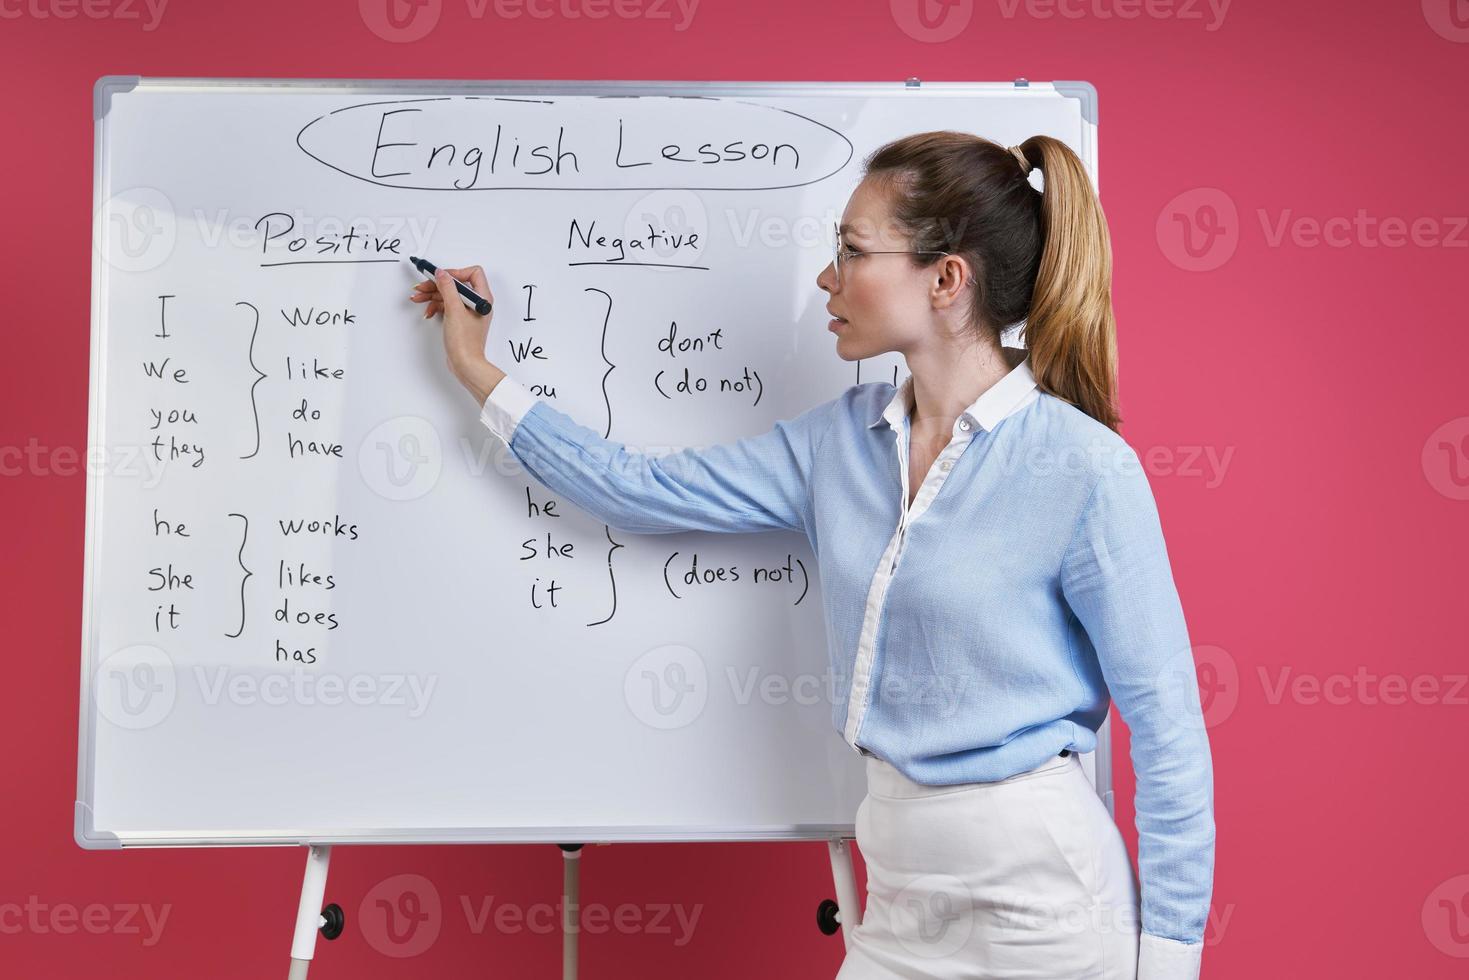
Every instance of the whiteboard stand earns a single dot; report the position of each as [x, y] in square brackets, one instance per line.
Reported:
[311, 918]
[849, 908]
[570, 908]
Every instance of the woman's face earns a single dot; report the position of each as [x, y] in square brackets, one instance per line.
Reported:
[886, 302]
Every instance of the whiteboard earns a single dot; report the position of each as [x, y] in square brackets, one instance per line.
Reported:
[321, 603]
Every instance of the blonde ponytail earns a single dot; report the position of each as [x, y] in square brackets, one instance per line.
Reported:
[1071, 331]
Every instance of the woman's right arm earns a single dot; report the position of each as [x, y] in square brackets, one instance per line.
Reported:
[759, 483]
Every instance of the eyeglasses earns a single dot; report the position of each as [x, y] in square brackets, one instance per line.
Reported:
[841, 253]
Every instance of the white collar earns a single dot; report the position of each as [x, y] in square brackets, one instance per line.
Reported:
[1001, 399]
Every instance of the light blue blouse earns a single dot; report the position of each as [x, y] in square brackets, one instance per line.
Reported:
[976, 633]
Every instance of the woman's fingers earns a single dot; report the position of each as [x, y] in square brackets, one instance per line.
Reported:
[427, 291]
[478, 282]
[474, 276]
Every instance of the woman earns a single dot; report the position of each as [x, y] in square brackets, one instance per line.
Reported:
[1022, 599]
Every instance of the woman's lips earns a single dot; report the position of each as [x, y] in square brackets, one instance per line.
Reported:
[835, 324]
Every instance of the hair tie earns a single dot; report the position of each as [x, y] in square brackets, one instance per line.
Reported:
[1019, 155]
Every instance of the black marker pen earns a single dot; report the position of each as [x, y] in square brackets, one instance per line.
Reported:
[471, 298]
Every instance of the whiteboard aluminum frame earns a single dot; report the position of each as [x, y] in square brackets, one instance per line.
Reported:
[1097, 763]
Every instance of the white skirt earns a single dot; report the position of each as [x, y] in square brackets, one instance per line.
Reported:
[1025, 877]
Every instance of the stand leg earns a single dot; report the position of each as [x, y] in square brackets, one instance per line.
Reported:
[308, 913]
[846, 884]
[570, 909]
[1102, 766]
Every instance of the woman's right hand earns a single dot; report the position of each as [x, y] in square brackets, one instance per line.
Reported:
[465, 331]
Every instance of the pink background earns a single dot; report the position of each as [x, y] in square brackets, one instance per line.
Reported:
[1323, 375]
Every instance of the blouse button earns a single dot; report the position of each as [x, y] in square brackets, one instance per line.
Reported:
[946, 465]
[964, 424]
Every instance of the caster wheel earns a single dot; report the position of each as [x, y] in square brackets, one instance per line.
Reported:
[335, 921]
[827, 917]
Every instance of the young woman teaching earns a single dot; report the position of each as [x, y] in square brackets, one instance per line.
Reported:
[981, 530]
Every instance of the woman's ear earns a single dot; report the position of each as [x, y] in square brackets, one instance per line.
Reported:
[954, 277]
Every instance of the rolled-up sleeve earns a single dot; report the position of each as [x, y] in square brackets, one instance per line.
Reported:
[1117, 580]
[759, 483]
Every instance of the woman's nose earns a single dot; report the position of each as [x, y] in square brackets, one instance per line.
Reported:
[827, 279]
